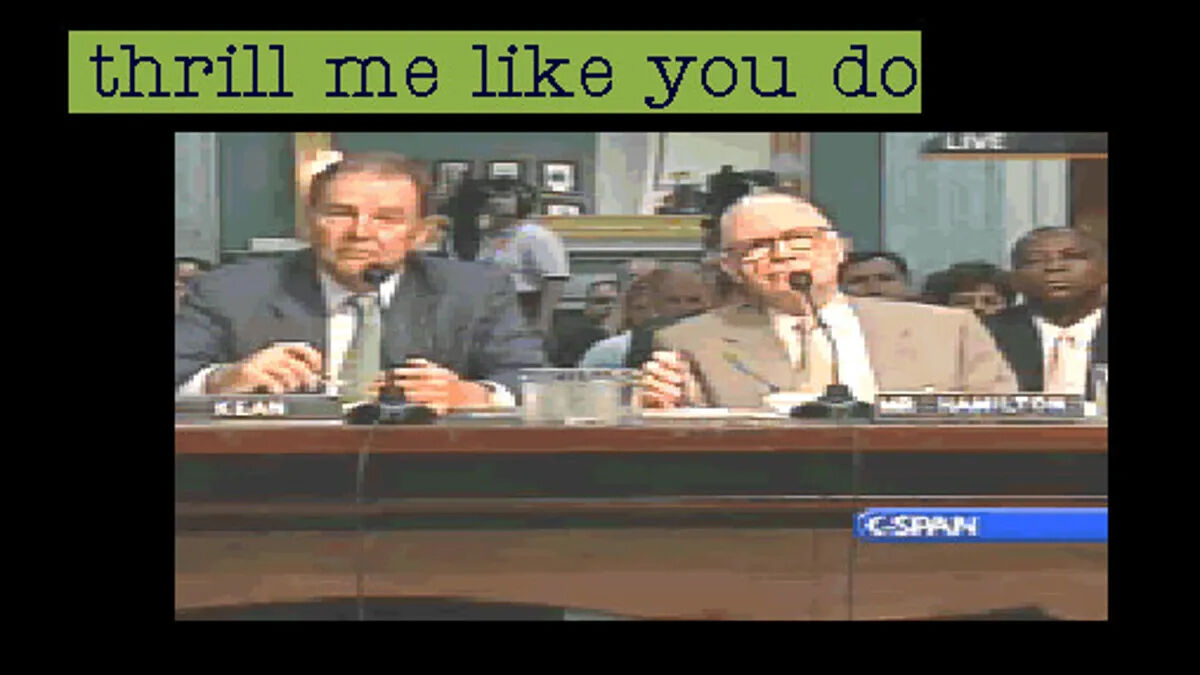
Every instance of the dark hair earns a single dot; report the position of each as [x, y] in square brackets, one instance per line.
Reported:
[202, 265]
[863, 256]
[382, 163]
[526, 194]
[967, 276]
[1018, 249]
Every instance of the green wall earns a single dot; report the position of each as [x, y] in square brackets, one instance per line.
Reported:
[258, 190]
[846, 174]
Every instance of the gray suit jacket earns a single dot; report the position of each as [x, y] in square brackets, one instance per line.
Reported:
[462, 315]
[910, 346]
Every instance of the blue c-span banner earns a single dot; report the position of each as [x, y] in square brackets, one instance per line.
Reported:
[943, 525]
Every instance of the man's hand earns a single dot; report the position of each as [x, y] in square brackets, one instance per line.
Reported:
[432, 385]
[279, 369]
[662, 380]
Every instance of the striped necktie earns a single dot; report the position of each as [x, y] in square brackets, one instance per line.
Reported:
[362, 363]
[1056, 364]
[815, 367]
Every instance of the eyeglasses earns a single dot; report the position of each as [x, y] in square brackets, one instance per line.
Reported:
[796, 241]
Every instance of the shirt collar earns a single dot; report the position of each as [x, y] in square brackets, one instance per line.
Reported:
[1082, 329]
[836, 311]
[336, 294]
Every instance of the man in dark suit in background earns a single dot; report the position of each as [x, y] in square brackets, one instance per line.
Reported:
[285, 324]
[1053, 339]
[575, 334]
[875, 274]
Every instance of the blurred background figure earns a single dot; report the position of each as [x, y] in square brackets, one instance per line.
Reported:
[654, 300]
[1061, 330]
[637, 305]
[875, 274]
[978, 286]
[186, 269]
[491, 223]
[574, 334]
[637, 308]
[681, 292]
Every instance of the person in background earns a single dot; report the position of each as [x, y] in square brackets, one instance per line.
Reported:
[673, 292]
[359, 307]
[1061, 330]
[532, 254]
[187, 269]
[574, 334]
[978, 286]
[637, 304]
[875, 274]
[734, 356]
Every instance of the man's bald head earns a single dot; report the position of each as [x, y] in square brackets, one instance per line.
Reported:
[768, 237]
[765, 215]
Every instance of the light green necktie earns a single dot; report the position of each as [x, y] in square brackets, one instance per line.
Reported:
[361, 365]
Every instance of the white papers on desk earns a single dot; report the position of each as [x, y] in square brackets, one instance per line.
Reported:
[711, 414]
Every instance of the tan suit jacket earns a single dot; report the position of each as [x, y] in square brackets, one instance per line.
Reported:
[910, 346]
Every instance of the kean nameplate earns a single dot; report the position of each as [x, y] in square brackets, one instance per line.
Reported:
[257, 407]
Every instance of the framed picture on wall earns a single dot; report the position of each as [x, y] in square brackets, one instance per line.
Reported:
[449, 174]
[505, 168]
[558, 177]
[551, 207]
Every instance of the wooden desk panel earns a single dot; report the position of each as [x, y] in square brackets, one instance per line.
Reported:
[661, 556]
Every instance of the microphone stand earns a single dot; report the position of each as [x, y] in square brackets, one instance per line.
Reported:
[837, 402]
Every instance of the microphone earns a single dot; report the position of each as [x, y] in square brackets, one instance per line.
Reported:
[802, 282]
[737, 364]
[376, 275]
[837, 400]
[392, 407]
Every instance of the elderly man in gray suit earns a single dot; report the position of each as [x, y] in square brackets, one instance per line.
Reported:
[736, 355]
[359, 307]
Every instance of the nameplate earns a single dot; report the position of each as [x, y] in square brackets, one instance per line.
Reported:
[951, 406]
[257, 407]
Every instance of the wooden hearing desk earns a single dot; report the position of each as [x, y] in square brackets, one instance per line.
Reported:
[695, 521]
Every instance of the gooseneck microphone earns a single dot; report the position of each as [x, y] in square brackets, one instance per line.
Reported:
[376, 275]
[802, 282]
[837, 400]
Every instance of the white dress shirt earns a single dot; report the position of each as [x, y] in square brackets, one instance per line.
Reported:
[339, 331]
[1073, 347]
[854, 364]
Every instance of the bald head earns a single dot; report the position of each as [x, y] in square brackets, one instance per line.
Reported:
[767, 237]
[765, 215]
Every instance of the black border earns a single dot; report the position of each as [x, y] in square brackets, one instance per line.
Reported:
[1008, 70]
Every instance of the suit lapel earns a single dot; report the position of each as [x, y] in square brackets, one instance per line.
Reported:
[1018, 340]
[410, 319]
[891, 349]
[1029, 350]
[297, 311]
[1100, 341]
[1098, 352]
[749, 334]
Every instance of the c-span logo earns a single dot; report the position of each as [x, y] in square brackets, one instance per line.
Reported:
[982, 525]
[908, 526]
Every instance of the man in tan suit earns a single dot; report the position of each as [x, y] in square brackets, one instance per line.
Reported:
[734, 356]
